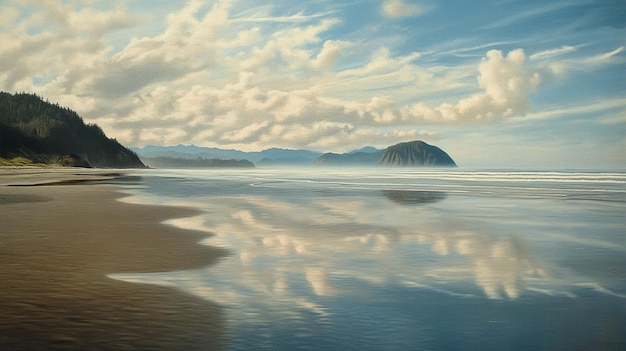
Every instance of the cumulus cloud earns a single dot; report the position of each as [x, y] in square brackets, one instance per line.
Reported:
[398, 8]
[212, 78]
[506, 81]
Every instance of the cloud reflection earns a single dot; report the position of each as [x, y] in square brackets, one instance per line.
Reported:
[500, 265]
[294, 254]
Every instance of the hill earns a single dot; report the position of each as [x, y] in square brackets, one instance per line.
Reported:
[42, 132]
[414, 153]
[273, 156]
[178, 162]
[351, 158]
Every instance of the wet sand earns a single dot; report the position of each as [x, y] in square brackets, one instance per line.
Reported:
[57, 245]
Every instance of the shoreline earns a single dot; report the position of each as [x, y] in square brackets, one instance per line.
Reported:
[58, 242]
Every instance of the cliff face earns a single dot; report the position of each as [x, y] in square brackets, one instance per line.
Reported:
[40, 131]
[416, 153]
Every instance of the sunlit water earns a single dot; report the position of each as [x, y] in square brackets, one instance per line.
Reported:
[388, 258]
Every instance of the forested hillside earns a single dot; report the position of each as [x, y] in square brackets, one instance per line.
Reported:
[41, 131]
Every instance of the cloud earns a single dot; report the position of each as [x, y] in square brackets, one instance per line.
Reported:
[259, 17]
[506, 81]
[576, 109]
[99, 23]
[533, 12]
[566, 49]
[8, 17]
[606, 57]
[563, 60]
[217, 75]
[398, 9]
[202, 82]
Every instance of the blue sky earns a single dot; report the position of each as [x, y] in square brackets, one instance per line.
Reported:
[494, 83]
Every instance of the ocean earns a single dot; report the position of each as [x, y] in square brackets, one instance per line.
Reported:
[404, 258]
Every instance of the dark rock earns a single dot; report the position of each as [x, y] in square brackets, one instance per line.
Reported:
[416, 153]
[72, 160]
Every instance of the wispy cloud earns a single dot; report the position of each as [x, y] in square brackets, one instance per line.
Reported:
[472, 51]
[263, 18]
[530, 13]
[607, 57]
[575, 110]
[566, 49]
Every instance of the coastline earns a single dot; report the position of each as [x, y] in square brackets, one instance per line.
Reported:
[59, 242]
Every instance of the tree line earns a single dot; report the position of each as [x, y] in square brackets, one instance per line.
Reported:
[41, 131]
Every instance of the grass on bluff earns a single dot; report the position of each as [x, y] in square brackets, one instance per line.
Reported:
[18, 161]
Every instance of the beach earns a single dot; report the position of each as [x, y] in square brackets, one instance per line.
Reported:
[314, 258]
[58, 243]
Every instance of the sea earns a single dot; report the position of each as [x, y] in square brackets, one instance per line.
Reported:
[404, 258]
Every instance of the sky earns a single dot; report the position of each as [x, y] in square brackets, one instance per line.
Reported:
[496, 84]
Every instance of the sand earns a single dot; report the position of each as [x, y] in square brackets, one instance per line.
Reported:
[57, 245]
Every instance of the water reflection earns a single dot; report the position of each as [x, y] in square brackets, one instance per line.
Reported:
[414, 197]
[289, 257]
[499, 265]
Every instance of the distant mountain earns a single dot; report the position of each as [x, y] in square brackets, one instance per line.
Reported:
[40, 131]
[364, 156]
[278, 156]
[413, 153]
[367, 149]
[273, 156]
[173, 162]
[350, 158]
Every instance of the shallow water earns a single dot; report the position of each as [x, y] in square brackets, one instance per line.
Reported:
[395, 258]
